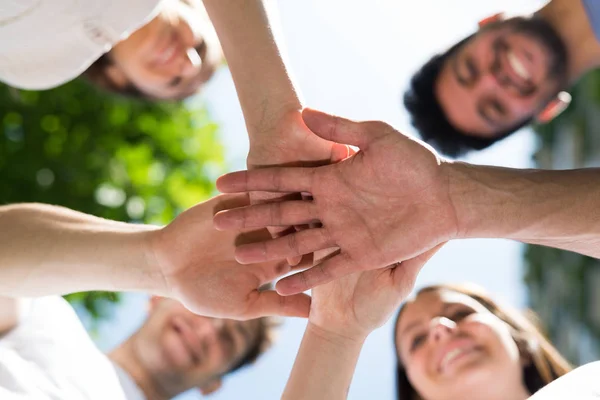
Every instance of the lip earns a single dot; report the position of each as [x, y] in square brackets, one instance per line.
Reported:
[453, 352]
[168, 52]
[189, 338]
[509, 58]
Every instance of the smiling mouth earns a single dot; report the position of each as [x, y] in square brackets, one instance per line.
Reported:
[183, 331]
[511, 70]
[452, 356]
[169, 52]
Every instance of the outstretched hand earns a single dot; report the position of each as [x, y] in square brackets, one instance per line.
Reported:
[199, 268]
[357, 304]
[287, 141]
[388, 203]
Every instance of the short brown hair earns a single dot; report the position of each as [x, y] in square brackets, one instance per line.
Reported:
[264, 340]
[96, 75]
[546, 362]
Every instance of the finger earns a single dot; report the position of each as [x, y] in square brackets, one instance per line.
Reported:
[286, 213]
[270, 303]
[405, 274]
[292, 245]
[295, 261]
[267, 179]
[329, 270]
[340, 152]
[342, 130]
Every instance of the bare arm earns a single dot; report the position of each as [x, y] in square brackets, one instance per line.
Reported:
[397, 199]
[552, 208]
[53, 250]
[262, 80]
[343, 313]
[324, 366]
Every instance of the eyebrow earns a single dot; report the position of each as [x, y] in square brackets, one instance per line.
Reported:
[485, 117]
[414, 324]
[454, 63]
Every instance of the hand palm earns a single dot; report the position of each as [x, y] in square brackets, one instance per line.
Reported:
[359, 303]
[200, 270]
[388, 203]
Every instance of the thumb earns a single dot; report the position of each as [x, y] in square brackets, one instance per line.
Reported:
[406, 273]
[340, 130]
[269, 303]
[339, 152]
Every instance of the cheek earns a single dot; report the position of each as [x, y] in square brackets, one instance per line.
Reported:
[418, 373]
[499, 344]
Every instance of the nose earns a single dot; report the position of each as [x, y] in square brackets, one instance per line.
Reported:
[488, 82]
[209, 328]
[440, 328]
[191, 63]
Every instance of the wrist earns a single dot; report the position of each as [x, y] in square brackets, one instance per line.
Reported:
[337, 336]
[491, 202]
[147, 276]
[273, 127]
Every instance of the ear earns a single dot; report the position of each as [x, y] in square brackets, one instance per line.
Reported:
[554, 108]
[116, 76]
[211, 387]
[491, 19]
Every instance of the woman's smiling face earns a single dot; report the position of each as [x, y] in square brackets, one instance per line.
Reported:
[452, 347]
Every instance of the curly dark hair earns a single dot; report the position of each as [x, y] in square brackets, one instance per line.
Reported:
[428, 117]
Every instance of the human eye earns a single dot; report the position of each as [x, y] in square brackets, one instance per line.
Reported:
[460, 314]
[417, 341]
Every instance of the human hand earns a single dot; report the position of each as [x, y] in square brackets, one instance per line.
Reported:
[388, 203]
[355, 305]
[199, 268]
[287, 141]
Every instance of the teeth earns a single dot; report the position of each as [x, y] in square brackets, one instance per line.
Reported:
[167, 54]
[518, 66]
[451, 355]
[194, 57]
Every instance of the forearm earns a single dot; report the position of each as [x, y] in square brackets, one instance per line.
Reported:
[262, 81]
[553, 208]
[324, 366]
[53, 250]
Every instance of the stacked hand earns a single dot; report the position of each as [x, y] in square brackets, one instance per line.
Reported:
[388, 203]
[199, 269]
[353, 306]
[287, 141]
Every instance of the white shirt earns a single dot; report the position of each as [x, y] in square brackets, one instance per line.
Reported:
[49, 356]
[582, 383]
[45, 43]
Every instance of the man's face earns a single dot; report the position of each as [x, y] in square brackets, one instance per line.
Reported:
[501, 77]
[182, 350]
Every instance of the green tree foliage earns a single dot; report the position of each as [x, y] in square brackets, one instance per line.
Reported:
[111, 157]
[563, 285]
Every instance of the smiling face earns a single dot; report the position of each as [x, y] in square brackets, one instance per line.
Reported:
[182, 350]
[502, 76]
[452, 347]
[171, 56]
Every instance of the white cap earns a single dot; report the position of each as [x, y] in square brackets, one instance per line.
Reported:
[45, 43]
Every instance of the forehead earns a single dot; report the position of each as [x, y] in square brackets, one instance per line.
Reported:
[432, 302]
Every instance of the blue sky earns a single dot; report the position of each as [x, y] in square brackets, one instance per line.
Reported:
[354, 58]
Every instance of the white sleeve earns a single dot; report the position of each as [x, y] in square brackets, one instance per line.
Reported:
[582, 383]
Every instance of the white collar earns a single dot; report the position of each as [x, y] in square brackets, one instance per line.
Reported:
[131, 390]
